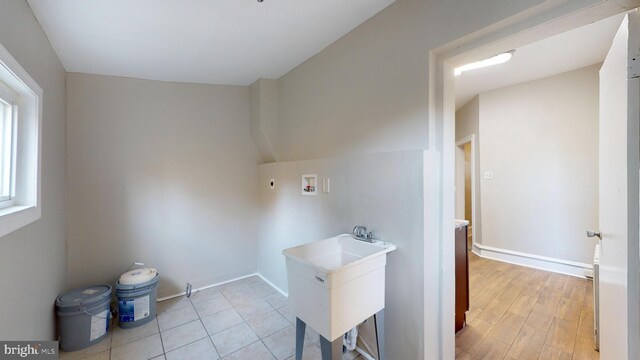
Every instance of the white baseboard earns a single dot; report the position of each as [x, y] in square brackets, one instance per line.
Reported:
[225, 282]
[207, 287]
[273, 285]
[560, 266]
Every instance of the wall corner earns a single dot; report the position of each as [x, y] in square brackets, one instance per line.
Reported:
[264, 117]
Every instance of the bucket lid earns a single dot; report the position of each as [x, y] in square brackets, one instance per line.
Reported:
[138, 276]
[84, 296]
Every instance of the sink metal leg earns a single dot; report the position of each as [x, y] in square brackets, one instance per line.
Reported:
[331, 350]
[378, 320]
[301, 326]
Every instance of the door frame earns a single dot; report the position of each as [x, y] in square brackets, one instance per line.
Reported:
[542, 21]
[472, 139]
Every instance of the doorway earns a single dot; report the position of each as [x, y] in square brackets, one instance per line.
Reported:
[446, 61]
[465, 184]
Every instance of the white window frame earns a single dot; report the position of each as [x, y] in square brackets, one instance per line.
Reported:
[19, 89]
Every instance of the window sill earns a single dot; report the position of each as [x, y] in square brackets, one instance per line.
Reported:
[15, 217]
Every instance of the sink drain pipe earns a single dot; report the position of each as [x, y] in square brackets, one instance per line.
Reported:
[364, 353]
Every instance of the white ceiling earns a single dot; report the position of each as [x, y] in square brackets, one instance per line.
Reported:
[568, 51]
[201, 41]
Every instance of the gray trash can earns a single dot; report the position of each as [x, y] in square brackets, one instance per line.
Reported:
[83, 316]
[136, 291]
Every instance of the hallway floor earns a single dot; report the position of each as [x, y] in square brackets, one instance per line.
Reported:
[523, 313]
[242, 320]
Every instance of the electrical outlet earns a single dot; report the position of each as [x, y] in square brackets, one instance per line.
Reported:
[326, 185]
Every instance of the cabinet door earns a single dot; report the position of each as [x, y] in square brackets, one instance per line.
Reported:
[462, 278]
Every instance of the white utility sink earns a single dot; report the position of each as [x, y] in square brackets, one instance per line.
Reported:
[337, 283]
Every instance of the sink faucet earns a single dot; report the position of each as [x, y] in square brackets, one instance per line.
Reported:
[360, 233]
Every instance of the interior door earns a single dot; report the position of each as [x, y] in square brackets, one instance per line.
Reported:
[460, 167]
[618, 205]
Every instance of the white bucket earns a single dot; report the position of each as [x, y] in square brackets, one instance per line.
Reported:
[136, 291]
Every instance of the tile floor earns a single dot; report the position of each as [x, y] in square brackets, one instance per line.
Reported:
[523, 313]
[242, 320]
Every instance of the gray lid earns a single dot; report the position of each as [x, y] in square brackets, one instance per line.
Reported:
[84, 296]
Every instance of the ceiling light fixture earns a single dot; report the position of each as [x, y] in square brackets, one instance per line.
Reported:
[494, 60]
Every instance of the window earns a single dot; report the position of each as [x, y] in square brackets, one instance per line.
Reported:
[8, 115]
[20, 123]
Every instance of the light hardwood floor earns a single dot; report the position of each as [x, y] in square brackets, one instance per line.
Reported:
[523, 313]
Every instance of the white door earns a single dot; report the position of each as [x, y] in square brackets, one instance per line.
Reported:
[618, 177]
[460, 168]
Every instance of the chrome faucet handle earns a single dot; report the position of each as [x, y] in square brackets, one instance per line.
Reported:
[360, 231]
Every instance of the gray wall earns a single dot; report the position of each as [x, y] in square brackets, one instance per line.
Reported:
[540, 139]
[368, 91]
[33, 258]
[467, 124]
[382, 191]
[163, 173]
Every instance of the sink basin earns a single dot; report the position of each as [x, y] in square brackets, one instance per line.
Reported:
[336, 283]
